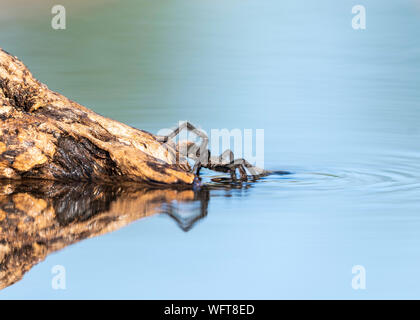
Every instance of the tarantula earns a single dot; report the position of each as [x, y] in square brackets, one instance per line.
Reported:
[203, 159]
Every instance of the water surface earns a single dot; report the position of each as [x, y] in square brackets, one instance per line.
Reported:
[339, 108]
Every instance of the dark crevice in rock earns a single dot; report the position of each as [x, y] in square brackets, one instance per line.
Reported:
[82, 160]
[20, 98]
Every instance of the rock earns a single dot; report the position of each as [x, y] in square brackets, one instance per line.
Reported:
[45, 135]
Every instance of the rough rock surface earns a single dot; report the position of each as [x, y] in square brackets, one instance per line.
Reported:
[47, 136]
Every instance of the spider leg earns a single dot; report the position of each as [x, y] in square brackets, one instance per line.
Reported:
[233, 173]
[232, 165]
[188, 149]
[182, 126]
[193, 152]
[174, 133]
[226, 153]
[253, 170]
[204, 140]
[242, 172]
[197, 167]
[241, 169]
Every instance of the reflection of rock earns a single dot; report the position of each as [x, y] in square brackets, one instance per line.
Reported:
[38, 219]
[45, 135]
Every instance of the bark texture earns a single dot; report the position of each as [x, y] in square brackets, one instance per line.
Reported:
[47, 136]
[39, 219]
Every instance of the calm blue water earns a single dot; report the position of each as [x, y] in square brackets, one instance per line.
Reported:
[340, 109]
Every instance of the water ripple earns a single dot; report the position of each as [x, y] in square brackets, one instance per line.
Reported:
[382, 175]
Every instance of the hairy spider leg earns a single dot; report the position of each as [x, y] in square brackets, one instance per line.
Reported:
[190, 127]
[226, 153]
[253, 170]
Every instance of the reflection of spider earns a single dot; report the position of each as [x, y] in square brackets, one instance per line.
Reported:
[203, 159]
[187, 222]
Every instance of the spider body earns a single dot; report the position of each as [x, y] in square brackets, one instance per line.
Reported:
[201, 155]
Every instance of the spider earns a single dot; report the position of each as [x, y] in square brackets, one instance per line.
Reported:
[203, 159]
